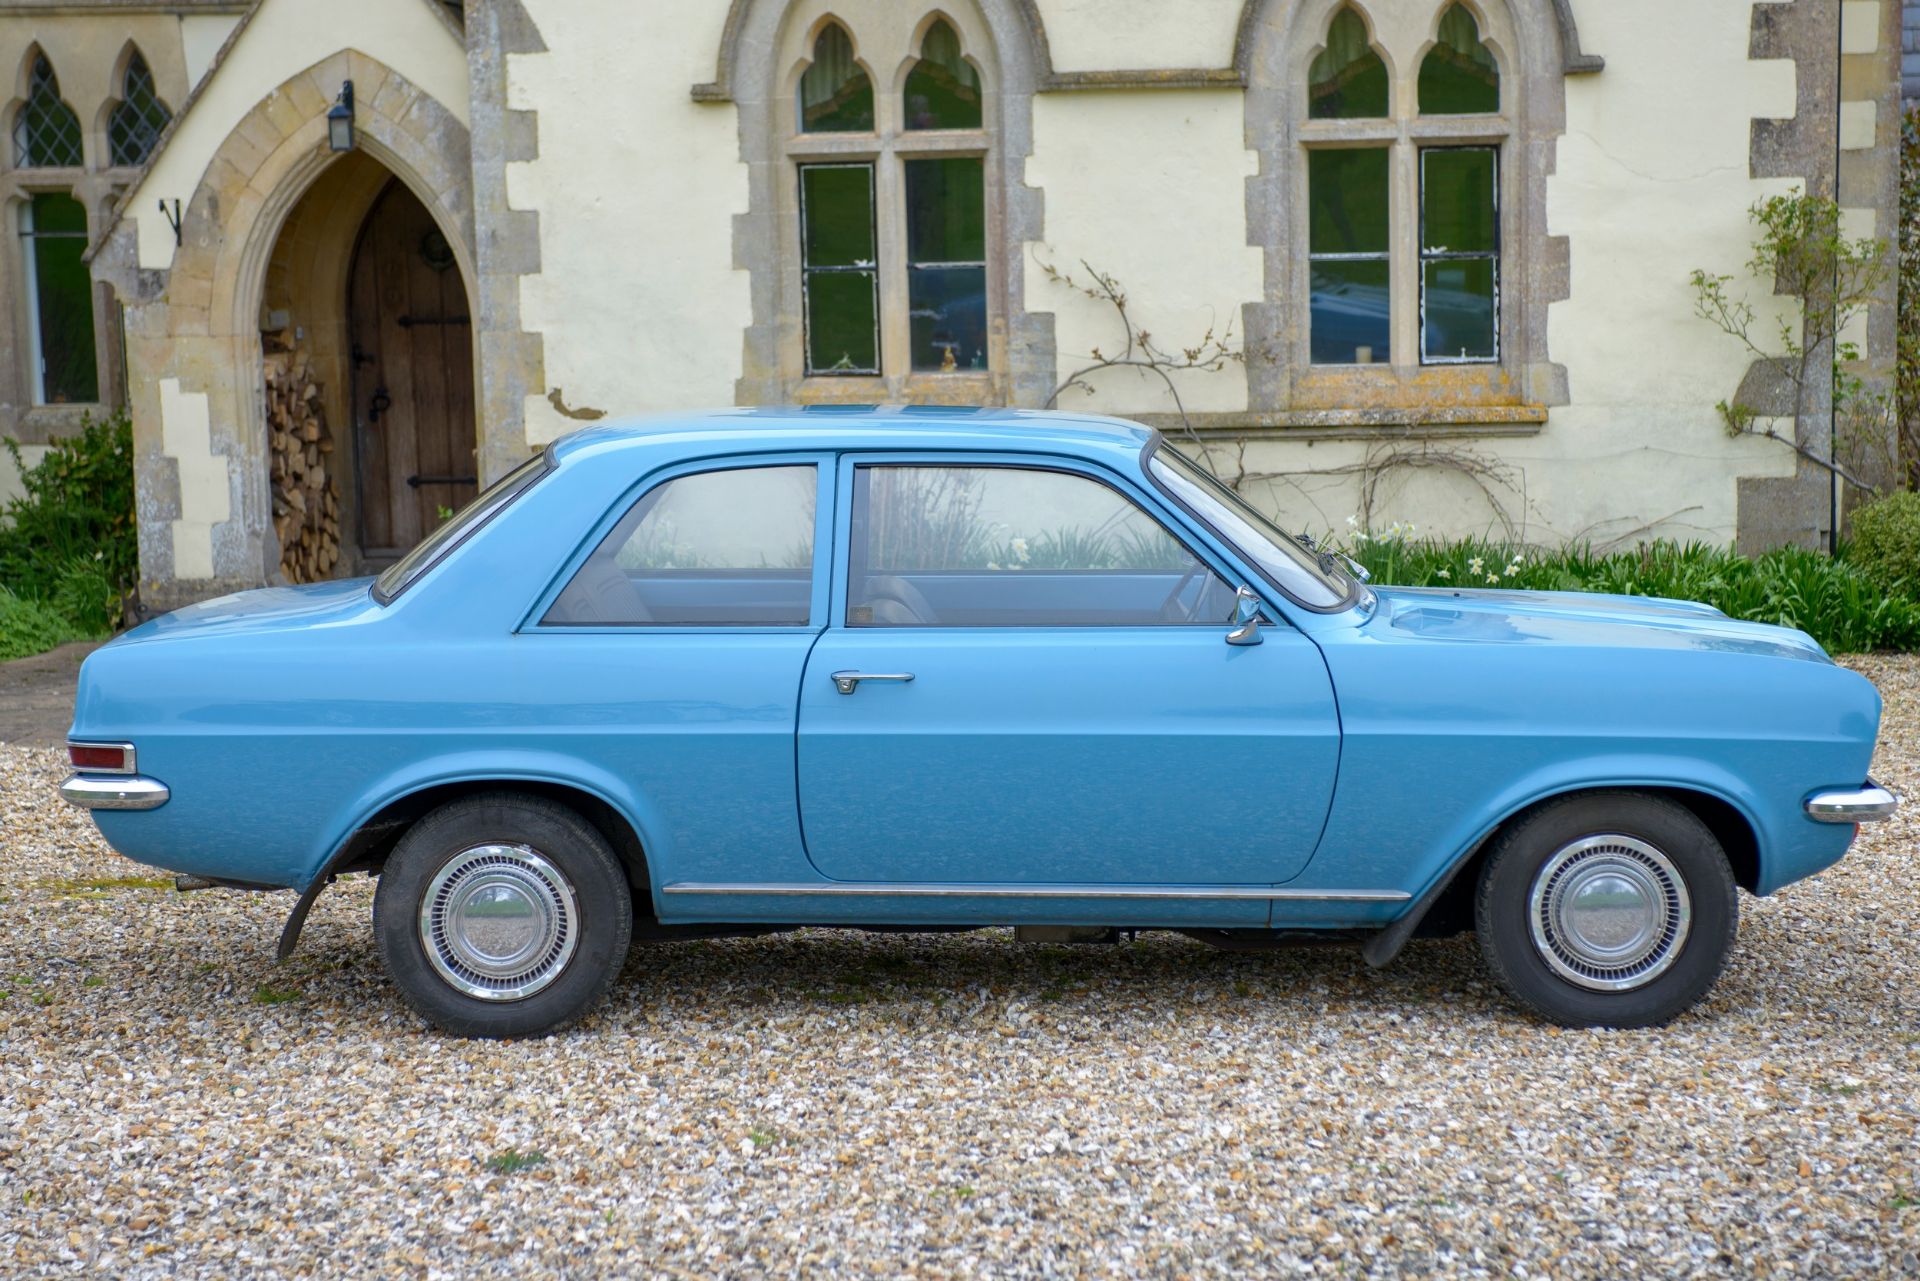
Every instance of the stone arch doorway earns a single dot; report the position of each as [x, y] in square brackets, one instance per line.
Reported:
[410, 353]
[367, 374]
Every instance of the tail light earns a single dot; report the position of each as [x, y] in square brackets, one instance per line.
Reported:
[102, 758]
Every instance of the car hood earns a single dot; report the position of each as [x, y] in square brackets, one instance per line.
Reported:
[1580, 618]
[265, 609]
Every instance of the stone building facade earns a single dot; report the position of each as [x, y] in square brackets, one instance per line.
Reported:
[1442, 246]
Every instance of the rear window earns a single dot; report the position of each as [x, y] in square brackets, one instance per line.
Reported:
[401, 574]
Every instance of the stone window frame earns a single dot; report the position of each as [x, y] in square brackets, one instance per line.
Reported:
[1525, 37]
[887, 149]
[761, 58]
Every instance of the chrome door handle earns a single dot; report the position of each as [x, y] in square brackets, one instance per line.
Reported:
[847, 682]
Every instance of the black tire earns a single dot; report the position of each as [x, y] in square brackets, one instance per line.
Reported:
[1551, 975]
[583, 960]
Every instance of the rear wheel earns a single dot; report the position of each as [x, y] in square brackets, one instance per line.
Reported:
[1612, 909]
[503, 915]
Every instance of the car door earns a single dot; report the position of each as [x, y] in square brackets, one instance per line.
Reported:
[1026, 680]
[671, 657]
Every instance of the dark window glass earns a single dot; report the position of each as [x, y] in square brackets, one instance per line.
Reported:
[1459, 255]
[451, 533]
[943, 89]
[54, 228]
[1016, 547]
[1347, 80]
[835, 94]
[727, 548]
[46, 133]
[946, 263]
[137, 122]
[1459, 75]
[1347, 246]
[838, 270]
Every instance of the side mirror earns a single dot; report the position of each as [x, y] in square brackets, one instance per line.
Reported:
[1246, 618]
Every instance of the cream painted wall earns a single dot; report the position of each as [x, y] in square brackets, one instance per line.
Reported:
[284, 38]
[10, 487]
[638, 300]
[186, 434]
[201, 35]
[1150, 189]
[1135, 35]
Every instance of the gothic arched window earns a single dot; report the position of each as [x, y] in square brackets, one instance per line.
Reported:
[139, 118]
[46, 133]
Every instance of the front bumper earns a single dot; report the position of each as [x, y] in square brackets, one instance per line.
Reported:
[114, 792]
[1869, 804]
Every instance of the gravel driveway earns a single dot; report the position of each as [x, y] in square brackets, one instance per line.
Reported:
[959, 1105]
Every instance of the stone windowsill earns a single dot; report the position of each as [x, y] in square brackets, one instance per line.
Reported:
[1360, 424]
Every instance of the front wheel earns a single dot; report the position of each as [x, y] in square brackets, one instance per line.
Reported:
[1612, 909]
[503, 915]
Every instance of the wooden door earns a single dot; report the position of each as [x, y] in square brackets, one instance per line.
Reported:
[411, 338]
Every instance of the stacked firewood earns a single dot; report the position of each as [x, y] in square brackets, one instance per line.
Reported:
[306, 503]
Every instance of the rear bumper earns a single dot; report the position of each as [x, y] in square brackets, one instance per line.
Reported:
[114, 792]
[1869, 804]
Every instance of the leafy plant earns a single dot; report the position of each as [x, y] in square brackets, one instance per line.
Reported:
[1907, 336]
[29, 627]
[1801, 251]
[77, 506]
[1886, 539]
[513, 1160]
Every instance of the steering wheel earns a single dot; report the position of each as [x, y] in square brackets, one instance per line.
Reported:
[1171, 609]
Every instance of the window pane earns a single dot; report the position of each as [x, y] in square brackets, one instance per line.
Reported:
[946, 268]
[837, 269]
[1458, 315]
[1459, 75]
[1016, 547]
[943, 90]
[836, 203]
[1350, 312]
[1348, 80]
[139, 119]
[56, 228]
[835, 94]
[1458, 209]
[946, 210]
[717, 549]
[1347, 201]
[401, 574]
[948, 310]
[46, 133]
[842, 329]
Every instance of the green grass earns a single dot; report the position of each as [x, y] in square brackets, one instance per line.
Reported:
[513, 1160]
[1831, 599]
[265, 995]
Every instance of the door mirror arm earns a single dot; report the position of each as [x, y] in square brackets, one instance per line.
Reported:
[1246, 617]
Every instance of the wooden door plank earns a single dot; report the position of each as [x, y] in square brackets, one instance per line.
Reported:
[373, 497]
[396, 349]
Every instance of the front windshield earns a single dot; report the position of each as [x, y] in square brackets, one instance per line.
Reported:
[400, 575]
[1313, 580]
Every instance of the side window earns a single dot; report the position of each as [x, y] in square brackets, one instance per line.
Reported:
[727, 548]
[1016, 547]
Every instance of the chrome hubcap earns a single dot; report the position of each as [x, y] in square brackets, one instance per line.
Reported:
[499, 922]
[1609, 913]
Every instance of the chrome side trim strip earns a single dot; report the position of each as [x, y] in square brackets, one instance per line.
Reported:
[114, 792]
[1869, 804]
[871, 889]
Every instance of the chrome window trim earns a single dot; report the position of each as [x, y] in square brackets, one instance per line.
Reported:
[126, 749]
[988, 889]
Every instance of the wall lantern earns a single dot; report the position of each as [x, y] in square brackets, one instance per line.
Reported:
[340, 119]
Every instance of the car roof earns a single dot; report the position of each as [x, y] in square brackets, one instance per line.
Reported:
[862, 427]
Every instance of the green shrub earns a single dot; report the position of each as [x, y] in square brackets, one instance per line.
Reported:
[78, 505]
[1886, 539]
[1837, 602]
[29, 627]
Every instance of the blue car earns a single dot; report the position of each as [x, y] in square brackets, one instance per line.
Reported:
[931, 669]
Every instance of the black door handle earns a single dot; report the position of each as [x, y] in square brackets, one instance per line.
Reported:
[416, 481]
